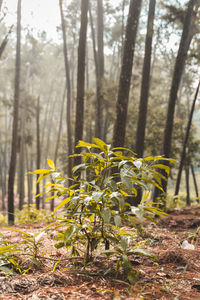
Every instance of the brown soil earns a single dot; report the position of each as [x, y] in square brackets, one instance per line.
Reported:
[176, 274]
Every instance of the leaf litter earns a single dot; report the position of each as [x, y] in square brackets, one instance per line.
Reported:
[176, 274]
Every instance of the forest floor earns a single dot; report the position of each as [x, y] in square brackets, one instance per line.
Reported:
[176, 274]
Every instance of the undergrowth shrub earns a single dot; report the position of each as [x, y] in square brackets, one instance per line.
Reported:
[98, 217]
[3, 220]
[29, 214]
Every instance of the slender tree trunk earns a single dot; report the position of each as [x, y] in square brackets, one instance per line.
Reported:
[178, 71]
[126, 72]
[144, 95]
[100, 70]
[195, 182]
[178, 181]
[1, 2]
[12, 168]
[38, 150]
[112, 64]
[5, 41]
[87, 83]
[58, 139]
[29, 164]
[22, 161]
[47, 109]
[98, 83]
[68, 87]
[3, 195]
[187, 182]
[81, 77]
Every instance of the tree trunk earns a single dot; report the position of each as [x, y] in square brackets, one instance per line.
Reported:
[22, 160]
[68, 88]
[178, 71]
[126, 72]
[29, 163]
[141, 125]
[1, 2]
[81, 77]
[185, 142]
[195, 183]
[99, 79]
[58, 139]
[5, 41]
[100, 70]
[38, 150]
[3, 194]
[12, 168]
[187, 182]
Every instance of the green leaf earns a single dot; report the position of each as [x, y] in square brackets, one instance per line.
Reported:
[69, 233]
[143, 252]
[124, 243]
[117, 220]
[20, 231]
[51, 164]
[80, 167]
[97, 195]
[106, 215]
[7, 249]
[138, 212]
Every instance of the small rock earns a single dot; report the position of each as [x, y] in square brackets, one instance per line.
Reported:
[186, 245]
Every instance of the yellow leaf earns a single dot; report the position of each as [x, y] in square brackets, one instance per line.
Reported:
[91, 218]
[41, 171]
[51, 164]
[40, 178]
[63, 202]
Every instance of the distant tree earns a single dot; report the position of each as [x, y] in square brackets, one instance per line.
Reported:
[68, 88]
[38, 149]
[12, 168]
[184, 45]
[22, 155]
[185, 142]
[5, 41]
[100, 75]
[81, 77]
[144, 94]
[126, 72]
[195, 183]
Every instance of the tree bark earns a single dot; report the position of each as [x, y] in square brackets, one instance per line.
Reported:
[185, 142]
[68, 88]
[144, 95]
[12, 168]
[81, 78]
[126, 72]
